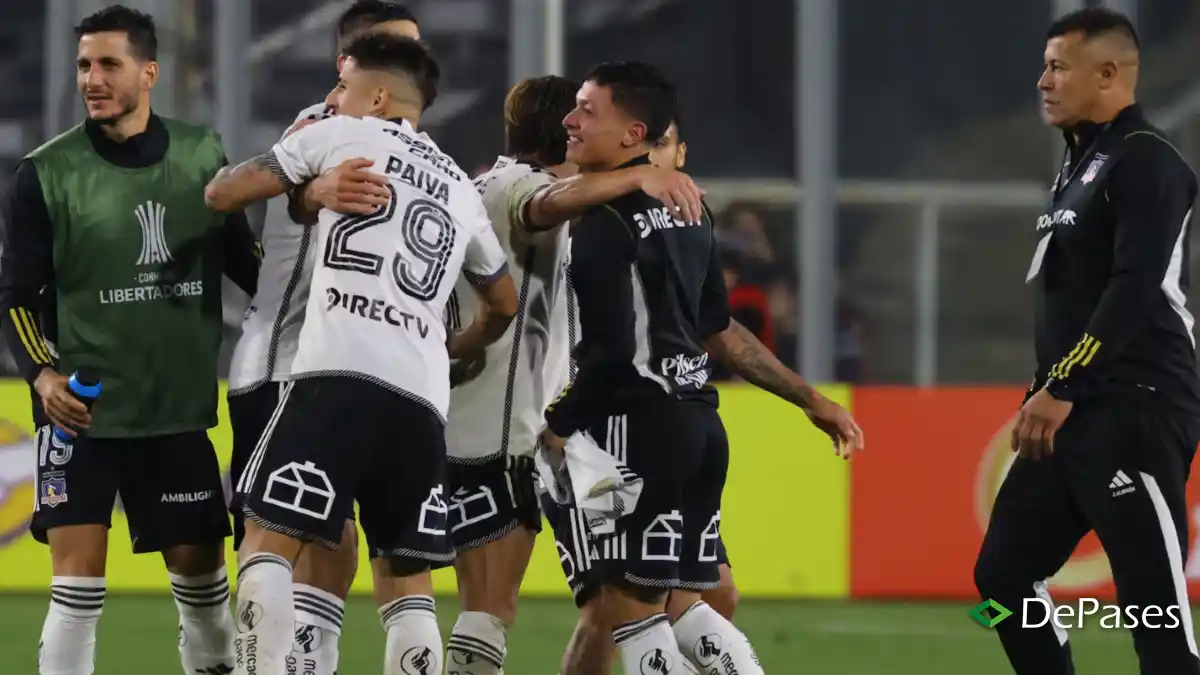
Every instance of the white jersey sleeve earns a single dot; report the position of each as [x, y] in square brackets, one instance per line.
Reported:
[523, 190]
[271, 327]
[302, 154]
[497, 409]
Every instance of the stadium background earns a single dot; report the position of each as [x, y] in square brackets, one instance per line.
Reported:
[913, 126]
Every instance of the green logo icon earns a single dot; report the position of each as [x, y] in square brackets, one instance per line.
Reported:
[980, 613]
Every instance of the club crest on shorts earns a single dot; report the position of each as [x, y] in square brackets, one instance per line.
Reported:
[656, 662]
[53, 488]
[419, 661]
[1093, 168]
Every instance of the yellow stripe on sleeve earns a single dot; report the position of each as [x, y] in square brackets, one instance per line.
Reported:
[31, 347]
[35, 334]
[1083, 353]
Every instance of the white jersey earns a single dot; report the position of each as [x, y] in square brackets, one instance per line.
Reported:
[271, 327]
[380, 283]
[499, 409]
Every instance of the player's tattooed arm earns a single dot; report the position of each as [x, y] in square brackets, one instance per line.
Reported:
[750, 358]
[742, 351]
[256, 179]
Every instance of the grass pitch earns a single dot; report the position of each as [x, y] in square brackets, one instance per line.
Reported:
[138, 634]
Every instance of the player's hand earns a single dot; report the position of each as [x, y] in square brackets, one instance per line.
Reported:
[1039, 420]
[463, 371]
[63, 409]
[351, 189]
[676, 191]
[838, 424]
[553, 442]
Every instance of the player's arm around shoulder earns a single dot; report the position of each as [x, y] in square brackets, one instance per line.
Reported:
[570, 198]
[293, 161]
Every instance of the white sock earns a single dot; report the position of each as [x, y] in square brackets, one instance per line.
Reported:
[264, 618]
[414, 644]
[68, 645]
[707, 639]
[318, 627]
[478, 641]
[648, 646]
[205, 624]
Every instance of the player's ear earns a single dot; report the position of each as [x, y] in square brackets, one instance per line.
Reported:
[379, 100]
[680, 156]
[341, 60]
[635, 135]
[1107, 74]
[149, 75]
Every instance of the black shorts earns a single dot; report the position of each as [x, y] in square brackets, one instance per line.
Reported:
[249, 414]
[170, 487]
[337, 440]
[575, 550]
[489, 500]
[672, 539]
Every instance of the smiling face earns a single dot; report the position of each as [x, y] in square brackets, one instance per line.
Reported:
[599, 133]
[110, 77]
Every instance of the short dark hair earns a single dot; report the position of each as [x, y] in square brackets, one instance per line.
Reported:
[533, 114]
[678, 122]
[642, 91]
[380, 51]
[138, 28]
[367, 13]
[1094, 21]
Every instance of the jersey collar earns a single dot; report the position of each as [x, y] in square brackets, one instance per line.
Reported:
[145, 149]
[1084, 134]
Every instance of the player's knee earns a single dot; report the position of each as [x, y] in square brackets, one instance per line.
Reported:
[488, 581]
[724, 598]
[348, 557]
[190, 560]
[593, 631]
[395, 578]
[989, 580]
[646, 595]
[78, 550]
[591, 650]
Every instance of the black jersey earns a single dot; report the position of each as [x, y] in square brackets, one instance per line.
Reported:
[1111, 267]
[650, 292]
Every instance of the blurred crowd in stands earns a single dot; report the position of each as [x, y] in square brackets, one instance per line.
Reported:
[764, 289]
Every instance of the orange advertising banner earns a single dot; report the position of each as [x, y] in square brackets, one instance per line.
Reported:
[920, 497]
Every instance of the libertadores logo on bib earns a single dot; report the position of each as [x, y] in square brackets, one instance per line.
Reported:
[151, 217]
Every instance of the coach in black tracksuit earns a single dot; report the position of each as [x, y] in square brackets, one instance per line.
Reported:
[1108, 431]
